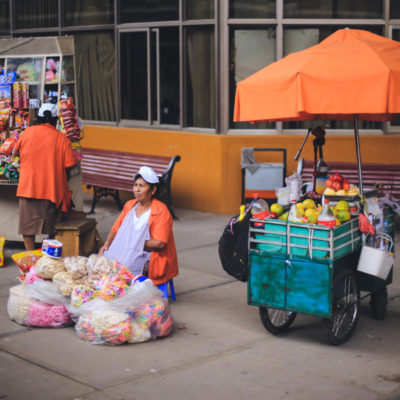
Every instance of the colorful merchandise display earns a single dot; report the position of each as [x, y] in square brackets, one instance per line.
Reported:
[114, 308]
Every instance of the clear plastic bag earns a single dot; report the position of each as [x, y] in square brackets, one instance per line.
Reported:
[47, 267]
[46, 292]
[64, 282]
[76, 266]
[98, 266]
[293, 182]
[18, 304]
[29, 311]
[140, 315]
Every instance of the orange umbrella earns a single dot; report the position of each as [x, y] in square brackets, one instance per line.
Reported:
[352, 74]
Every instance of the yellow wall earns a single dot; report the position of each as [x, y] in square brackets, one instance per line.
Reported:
[208, 178]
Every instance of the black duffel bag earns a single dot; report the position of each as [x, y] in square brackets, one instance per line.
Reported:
[232, 248]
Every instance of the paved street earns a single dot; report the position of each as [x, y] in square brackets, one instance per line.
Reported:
[218, 350]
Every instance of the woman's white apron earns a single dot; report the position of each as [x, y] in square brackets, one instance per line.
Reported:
[128, 244]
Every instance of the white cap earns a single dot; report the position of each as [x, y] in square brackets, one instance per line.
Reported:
[147, 174]
[48, 107]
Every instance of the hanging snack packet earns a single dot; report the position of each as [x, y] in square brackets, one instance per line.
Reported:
[2, 240]
[25, 260]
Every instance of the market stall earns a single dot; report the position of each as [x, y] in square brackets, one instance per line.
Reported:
[33, 71]
[303, 263]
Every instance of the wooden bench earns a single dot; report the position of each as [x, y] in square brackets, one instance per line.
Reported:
[109, 171]
[384, 177]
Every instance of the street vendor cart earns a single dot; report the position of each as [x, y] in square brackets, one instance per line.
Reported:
[308, 268]
[312, 269]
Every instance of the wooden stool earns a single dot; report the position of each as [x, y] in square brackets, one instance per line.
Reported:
[78, 236]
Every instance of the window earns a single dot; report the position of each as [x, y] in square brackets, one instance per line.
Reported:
[4, 15]
[36, 14]
[150, 85]
[148, 10]
[88, 12]
[95, 74]
[394, 9]
[252, 8]
[200, 81]
[251, 49]
[333, 9]
[196, 9]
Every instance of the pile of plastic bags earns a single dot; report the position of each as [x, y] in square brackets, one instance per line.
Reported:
[107, 304]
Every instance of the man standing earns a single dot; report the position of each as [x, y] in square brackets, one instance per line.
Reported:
[45, 157]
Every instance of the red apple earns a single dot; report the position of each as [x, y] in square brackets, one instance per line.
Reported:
[336, 186]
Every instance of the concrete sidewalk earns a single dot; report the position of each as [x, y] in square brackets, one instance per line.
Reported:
[219, 349]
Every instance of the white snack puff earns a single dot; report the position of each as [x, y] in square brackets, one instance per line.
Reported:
[76, 266]
[47, 267]
[18, 304]
[64, 282]
[99, 265]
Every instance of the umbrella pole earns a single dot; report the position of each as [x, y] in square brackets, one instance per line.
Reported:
[358, 154]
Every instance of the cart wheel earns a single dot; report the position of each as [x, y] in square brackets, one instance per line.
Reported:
[378, 302]
[276, 321]
[345, 304]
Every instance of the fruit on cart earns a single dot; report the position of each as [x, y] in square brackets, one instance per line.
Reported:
[330, 192]
[276, 208]
[346, 185]
[342, 205]
[309, 203]
[336, 177]
[353, 191]
[273, 215]
[284, 216]
[336, 186]
[341, 192]
[310, 211]
[343, 215]
[312, 219]
[300, 207]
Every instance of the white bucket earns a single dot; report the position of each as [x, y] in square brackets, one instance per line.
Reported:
[375, 261]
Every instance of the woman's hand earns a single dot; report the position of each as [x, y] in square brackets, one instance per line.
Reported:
[107, 243]
[103, 249]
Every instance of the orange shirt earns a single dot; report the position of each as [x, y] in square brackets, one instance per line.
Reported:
[163, 264]
[45, 153]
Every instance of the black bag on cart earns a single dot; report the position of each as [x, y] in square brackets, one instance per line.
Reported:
[232, 248]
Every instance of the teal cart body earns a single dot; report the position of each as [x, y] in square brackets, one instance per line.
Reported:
[311, 269]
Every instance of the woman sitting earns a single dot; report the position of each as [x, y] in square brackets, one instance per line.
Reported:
[141, 238]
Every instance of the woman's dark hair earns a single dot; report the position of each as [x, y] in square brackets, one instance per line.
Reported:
[47, 119]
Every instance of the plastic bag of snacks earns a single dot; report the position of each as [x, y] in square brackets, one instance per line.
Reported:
[47, 267]
[2, 241]
[98, 266]
[28, 311]
[32, 276]
[64, 282]
[25, 260]
[76, 266]
[140, 315]
[18, 304]
[113, 286]
[46, 292]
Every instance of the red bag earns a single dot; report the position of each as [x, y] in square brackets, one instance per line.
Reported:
[7, 147]
[364, 225]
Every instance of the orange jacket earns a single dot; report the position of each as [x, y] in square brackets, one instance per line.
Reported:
[163, 264]
[45, 153]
